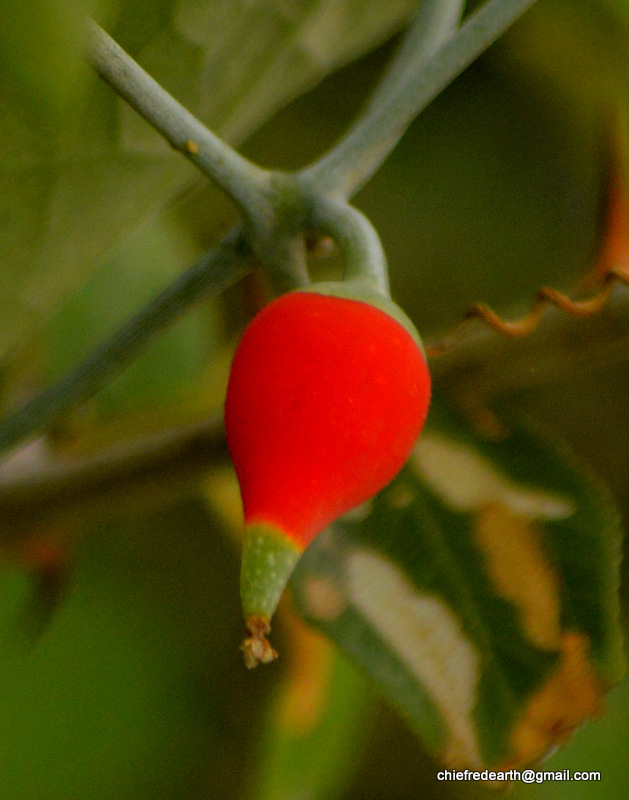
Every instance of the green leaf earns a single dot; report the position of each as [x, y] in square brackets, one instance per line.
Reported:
[132, 277]
[131, 688]
[479, 590]
[40, 63]
[75, 185]
[315, 727]
[600, 747]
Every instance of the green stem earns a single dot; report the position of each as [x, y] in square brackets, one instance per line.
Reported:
[62, 485]
[259, 193]
[278, 241]
[419, 74]
[245, 182]
[363, 255]
[212, 273]
[276, 211]
[435, 23]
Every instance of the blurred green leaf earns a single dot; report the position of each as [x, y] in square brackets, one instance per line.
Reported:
[130, 279]
[480, 593]
[136, 688]
[599, 747]
[315, 728]
[72, 190]
[41, 68]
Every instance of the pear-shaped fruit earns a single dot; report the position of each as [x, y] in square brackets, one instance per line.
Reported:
[327, 395]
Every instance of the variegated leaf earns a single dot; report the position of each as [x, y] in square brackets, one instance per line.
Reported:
[479, 590]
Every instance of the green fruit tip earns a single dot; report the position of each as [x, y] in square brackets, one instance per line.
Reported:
[268, 559]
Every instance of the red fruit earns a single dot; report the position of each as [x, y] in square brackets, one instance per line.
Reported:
[326, 398]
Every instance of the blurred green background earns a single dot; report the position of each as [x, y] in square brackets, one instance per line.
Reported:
[120, 674]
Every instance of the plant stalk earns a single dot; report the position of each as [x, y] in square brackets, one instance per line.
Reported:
[245, 182]
[212, 273]
[363, 255]
[430, 60]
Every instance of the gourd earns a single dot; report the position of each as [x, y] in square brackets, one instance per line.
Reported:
[328, 392]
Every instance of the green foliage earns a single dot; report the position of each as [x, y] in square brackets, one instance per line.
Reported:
[461, 588]
[131, 278]
[119, 613]
[326, 714]
[119, 695]
[73, 190]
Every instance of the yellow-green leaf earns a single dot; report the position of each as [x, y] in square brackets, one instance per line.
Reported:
[479, 590]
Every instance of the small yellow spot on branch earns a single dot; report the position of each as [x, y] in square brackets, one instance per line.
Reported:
[191, 147]
[320, 246]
